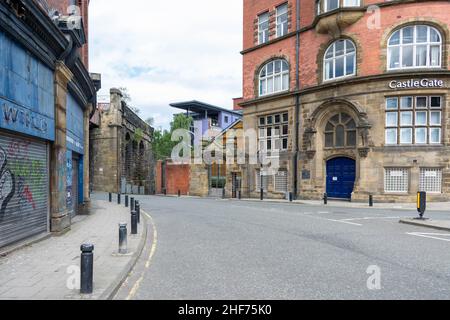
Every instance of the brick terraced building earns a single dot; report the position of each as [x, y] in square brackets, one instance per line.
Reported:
[354, 94]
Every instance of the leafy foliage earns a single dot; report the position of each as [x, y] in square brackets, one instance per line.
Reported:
[162, 139]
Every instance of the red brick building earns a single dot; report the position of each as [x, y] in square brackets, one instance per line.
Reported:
[353, 94]
[65, 7]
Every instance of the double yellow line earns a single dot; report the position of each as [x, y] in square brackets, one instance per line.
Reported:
[137, 284]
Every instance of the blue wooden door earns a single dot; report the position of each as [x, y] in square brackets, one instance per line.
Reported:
[340, 177]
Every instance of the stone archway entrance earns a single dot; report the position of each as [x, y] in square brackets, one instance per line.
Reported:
[340, 179]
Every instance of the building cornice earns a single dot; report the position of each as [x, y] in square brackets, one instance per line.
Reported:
[351, 81]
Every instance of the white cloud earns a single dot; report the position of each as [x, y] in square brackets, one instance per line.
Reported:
[168, 51]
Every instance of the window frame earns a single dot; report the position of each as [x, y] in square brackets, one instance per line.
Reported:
[282, 74]
[415, 126]
[414, 44]
[264, 136]
[264, 32]
[278, 15]
[323, 6]
[334, 59]
[346, 131]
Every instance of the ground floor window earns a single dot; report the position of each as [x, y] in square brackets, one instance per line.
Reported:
[414, 120]
[273, 132]
[281, 181]
[431, 180]
[396, 180]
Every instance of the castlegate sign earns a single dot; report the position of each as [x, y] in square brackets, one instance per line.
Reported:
[411, 84]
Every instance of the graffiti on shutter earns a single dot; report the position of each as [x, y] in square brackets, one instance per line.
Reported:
[23, 188]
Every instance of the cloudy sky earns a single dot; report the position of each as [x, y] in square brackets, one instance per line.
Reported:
[168, 51]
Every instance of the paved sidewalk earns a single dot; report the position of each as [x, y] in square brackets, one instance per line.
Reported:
[43, 270]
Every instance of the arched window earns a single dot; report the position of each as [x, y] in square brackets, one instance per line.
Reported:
[340, 60]
[340, 132]
[274, 77]
[417, 46]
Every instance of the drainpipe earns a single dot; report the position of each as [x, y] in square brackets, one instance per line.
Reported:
[297, 100]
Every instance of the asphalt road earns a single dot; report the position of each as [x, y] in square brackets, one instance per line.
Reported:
[223, 249]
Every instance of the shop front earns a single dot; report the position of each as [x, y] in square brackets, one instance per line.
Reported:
[75, 155]
[26, 131]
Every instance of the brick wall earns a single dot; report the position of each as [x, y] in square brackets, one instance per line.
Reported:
[176, 178]
[370, 42]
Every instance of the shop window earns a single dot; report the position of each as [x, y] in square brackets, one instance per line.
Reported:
[396, 180]
[274, 77]
[340, 132]
[273, 133]
[340, 60]
[263, 28]
[414, 120]
[417, 46]
[431, 180]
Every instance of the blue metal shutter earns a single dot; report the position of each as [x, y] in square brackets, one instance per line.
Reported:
[24, 188]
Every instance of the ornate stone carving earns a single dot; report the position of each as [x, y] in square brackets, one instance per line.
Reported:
[311, 154]
[363, 152]
[335, 23]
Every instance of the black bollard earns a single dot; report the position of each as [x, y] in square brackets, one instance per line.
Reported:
[179, 193]
[291, 197]
[123, 243]
[118, 198]
[371, 201]
[262, 195]
[87, 268]
[110, 197]
[126, 201]
[325, 199]
[132, 204]
[165, 192]
[223, 193]
[134, 222]
[240, 195]
[138, 211]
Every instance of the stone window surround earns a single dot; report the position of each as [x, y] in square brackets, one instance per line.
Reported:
[321, 59]
[272, 11]
[441, 27]
[258, 72]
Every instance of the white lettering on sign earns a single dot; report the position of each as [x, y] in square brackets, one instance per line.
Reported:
[396, 173]
[335, 179]
[423, 83]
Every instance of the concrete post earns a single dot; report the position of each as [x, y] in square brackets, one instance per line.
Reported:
[60, 218]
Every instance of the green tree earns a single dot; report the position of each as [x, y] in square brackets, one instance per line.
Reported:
[162, 139]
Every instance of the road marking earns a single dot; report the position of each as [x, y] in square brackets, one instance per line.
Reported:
[435, 236]
[136, 286]
[346, 222]
[371, 218]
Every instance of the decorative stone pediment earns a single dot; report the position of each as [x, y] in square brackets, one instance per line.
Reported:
[334, 24]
